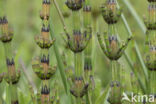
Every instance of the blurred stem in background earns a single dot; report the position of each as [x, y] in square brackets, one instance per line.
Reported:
[135, 15]
[32, 86]
[1, 88]
[2, 10]
[12, 76]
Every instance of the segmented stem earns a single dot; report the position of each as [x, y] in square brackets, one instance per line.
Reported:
[76, 20]
[78, 64]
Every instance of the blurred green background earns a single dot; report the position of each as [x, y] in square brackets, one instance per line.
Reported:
[23, 16]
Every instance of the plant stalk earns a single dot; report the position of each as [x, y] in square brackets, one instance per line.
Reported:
[135, 15]
[76, 20]
[78, 61]
[14, 98]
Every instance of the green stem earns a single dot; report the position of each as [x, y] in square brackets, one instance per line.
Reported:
[88, 98]
[8, 50]
[95, 27]
[87, 18]
[44, 52]
[88, 51]
[78, 101]
[14, 96]
[152, 82]
[113, 70]
[1, 94]
[8, 54]
[76, 20]
[111, 30]
[78, 60]
[8, 90]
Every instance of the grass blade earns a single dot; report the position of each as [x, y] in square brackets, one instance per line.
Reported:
[101, 99]
[135, 15]
[60, 65]
[59, 61]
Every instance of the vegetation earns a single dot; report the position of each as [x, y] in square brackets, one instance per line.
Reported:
[88, 52]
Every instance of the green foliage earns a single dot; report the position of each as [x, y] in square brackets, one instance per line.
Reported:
[24, 18]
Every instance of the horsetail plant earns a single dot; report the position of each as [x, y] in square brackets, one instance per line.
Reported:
[112, 47]
[150, 57]
[77, 41]
[88, 67]
[88, 50]
[12, 76]
[41, 65]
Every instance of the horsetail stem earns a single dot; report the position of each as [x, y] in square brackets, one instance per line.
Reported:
[112, 47]
[88, 67]
[78, 64]
[88, 51]
[76, 20]
[87, 14]
[12, 76]
[80, 41]
[77, 43]
[41, 65]
[113, 70]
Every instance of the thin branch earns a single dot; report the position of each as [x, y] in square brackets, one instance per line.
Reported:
[135, 15]
[30, 81]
